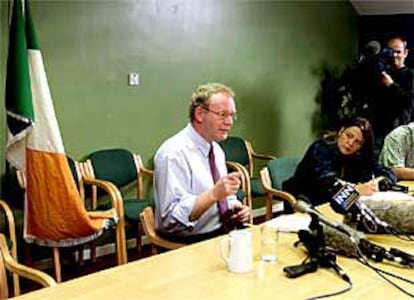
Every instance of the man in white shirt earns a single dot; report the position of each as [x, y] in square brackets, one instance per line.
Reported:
[398, 151]
[186, 195]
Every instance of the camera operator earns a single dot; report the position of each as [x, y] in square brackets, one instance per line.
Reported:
[394, 99]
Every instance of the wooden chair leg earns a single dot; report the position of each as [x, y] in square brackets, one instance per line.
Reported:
[93, 251]
[154, 249]
[269, 207]
[121, 251]
[56, 260]
[4, 288]
[16, 285]
[139, 238]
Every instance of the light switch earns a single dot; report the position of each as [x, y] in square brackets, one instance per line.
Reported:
[133, 79]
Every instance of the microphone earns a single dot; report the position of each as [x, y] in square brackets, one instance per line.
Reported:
[346, 199]
[302, 205]
[342, 244]
[372, 48]
[395, 214]
[344, 196]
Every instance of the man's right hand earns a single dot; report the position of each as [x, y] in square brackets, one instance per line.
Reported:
[386, 79]
[227, 185]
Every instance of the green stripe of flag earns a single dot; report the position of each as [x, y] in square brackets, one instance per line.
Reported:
[18, 92]
[30, 29]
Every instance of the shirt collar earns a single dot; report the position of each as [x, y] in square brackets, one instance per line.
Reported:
[199, 141]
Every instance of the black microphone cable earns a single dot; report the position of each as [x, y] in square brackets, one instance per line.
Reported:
[341, 274]
[382, 273]
[400, 234]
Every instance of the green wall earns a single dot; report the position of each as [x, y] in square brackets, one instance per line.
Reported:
[270, 52]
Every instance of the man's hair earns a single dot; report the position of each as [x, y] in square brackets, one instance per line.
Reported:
[398, 37]
[203, 93]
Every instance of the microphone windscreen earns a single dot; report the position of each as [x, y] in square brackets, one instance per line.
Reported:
[372, 48]
[339, 242]
[399, 214]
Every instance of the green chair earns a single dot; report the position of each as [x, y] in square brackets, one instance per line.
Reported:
[241, 151]
[272, 177]
[125, 170]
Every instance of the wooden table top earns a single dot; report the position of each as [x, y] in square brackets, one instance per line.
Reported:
[198, 272]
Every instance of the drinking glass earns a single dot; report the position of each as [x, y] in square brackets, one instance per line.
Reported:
[269, 241]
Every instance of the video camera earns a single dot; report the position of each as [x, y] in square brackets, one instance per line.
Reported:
[375, 59]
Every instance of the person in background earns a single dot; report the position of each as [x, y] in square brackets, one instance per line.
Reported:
[346, 156]
[394, 102]
[398, 151]
[186, 194]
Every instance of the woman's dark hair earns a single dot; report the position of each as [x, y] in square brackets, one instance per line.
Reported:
[367, 149]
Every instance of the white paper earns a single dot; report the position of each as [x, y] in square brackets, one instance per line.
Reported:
[290, 223]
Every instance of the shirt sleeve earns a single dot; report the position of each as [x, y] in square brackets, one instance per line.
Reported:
[393, 153]
[174, 201]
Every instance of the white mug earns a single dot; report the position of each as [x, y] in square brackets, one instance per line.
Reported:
[239, 256]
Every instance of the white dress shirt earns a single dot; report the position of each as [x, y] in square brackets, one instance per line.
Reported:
[182, 173]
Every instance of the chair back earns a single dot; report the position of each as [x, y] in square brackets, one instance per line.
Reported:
[115, 165]
[7, 262]
[236, 150]
[73, 166]
[281, 169]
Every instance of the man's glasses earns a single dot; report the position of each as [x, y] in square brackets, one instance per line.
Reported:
[221, 114]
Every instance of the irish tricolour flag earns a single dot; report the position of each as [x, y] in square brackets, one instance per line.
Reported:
[54, 211]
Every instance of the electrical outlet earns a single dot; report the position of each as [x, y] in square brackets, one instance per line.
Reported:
[133, 79]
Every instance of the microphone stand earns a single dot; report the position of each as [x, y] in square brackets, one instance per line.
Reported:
[325, 258]
[317, 251]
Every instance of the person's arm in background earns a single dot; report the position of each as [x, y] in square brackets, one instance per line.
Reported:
[401, 93]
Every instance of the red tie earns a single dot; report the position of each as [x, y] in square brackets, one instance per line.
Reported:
[222, 204]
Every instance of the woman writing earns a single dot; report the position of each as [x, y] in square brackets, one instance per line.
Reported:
[345, 157]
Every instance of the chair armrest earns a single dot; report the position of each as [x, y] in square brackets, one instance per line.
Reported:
[267, 186]
[148, 224]
[146, 171]
[245, 182]
[12, 265]
[12, 235]
[12, 226]
[258, 155]
[112, 191]
[263, 156]
[272, 192]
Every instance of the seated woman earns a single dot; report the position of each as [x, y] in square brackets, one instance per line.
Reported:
[346, 156]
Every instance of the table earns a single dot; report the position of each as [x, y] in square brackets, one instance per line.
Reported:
[197, 272]
[409, 184]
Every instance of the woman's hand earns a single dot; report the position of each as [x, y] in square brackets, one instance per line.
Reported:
[367, 188]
